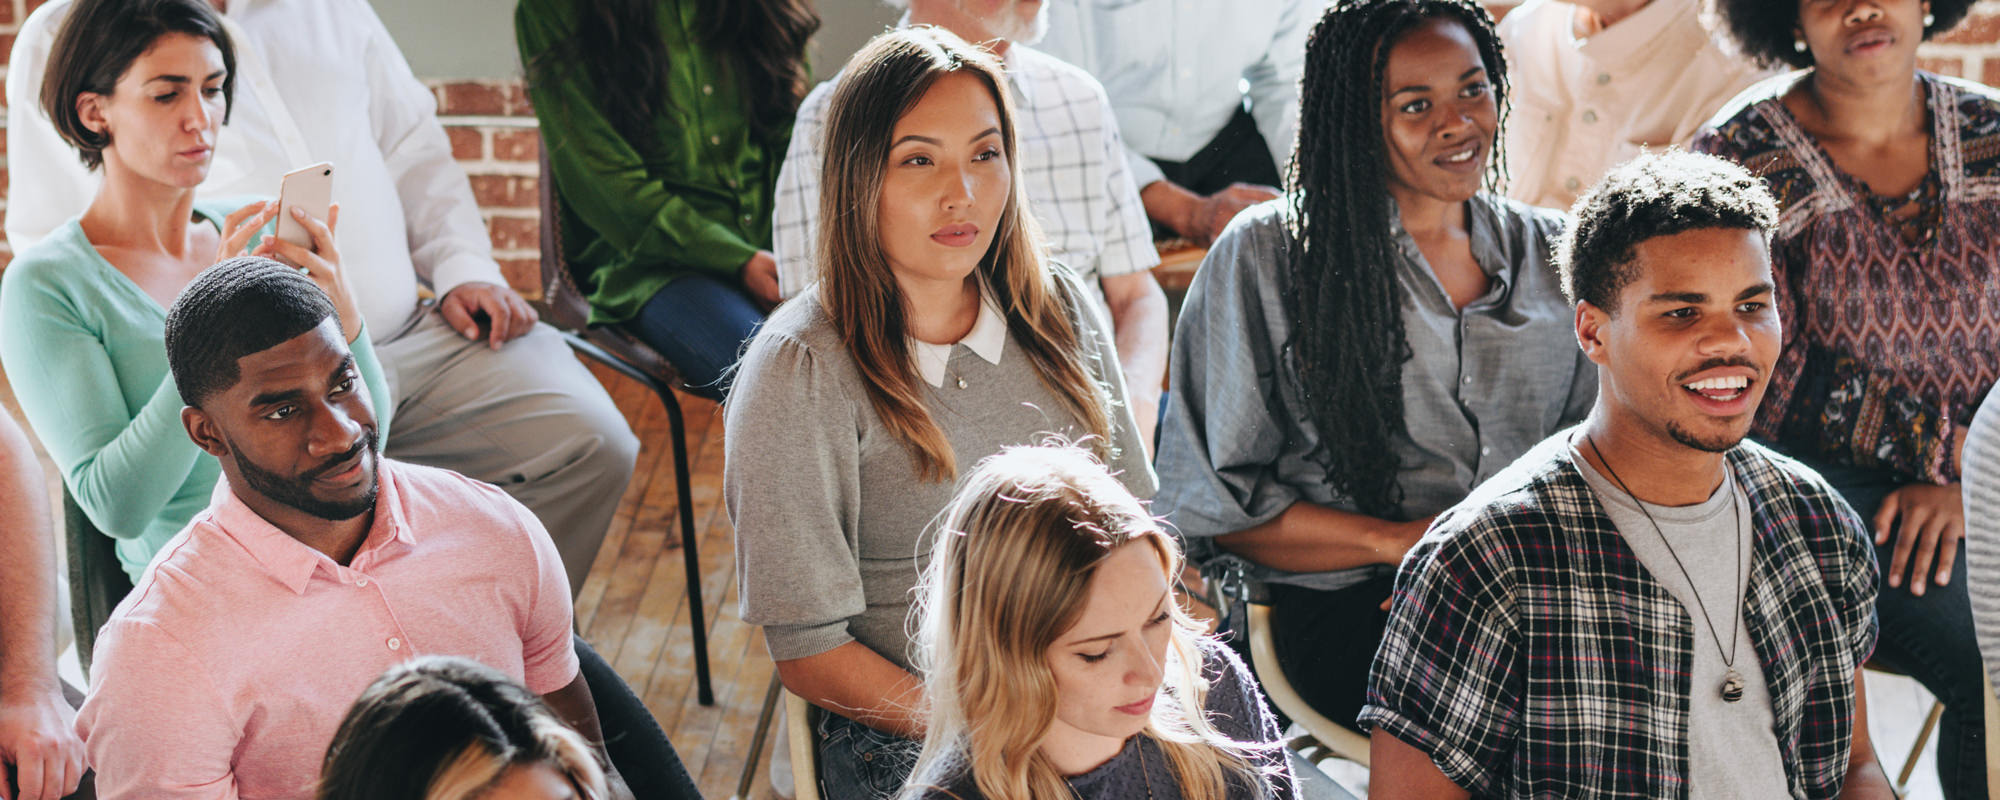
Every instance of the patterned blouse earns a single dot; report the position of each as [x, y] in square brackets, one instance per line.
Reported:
[1892, 327]
[1530, 653]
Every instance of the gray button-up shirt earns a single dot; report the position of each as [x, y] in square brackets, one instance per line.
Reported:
[1238, 445]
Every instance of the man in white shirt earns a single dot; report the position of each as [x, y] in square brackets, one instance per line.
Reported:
[1074, 168]
[1177, 70]
[322, 81]
[1595, 81]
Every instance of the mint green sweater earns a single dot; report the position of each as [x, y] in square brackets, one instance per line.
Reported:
[85, 349]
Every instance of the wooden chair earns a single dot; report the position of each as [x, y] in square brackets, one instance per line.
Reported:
[1331, 738]
[799, 718]
[97, 582]
[563, 306]
[1923, 733]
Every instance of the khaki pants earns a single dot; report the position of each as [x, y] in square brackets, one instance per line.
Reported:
[528, 418]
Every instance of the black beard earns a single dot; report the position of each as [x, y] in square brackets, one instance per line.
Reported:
[297, 493]
[1718, 445]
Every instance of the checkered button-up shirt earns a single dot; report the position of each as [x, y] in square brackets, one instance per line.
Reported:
[1072, 162]
[1530, 653]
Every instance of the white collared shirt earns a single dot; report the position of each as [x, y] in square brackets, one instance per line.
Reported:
[1072, 162]
[1176, 68]
[1582, 106]
[315, 81]
[987, 339]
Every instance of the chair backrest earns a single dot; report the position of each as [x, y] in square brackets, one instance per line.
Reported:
[1339, 741]
[562, 304]
[97, 581]
[800, 722]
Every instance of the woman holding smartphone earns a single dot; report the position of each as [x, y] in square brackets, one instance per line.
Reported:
[938, 335]
[141, 92]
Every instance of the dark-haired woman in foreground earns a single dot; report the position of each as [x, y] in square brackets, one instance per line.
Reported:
[1887, 262]
[447, 728]
[1355, 357]
[665, 122]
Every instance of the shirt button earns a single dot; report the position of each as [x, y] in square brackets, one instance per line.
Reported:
[730, 182]
[715, 140]
[1467, 380]
[361, 582]
[395, 643]
[1486, 451]
[1572, 184]
[709, 88]
[1589, 117]
[1603, 78]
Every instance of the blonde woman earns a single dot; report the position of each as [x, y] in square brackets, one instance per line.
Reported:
[937, 334]
[1057, 660]
[444, 728]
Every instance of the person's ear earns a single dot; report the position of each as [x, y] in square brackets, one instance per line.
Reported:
[90, 112]
[1591, 323]
[202, 431]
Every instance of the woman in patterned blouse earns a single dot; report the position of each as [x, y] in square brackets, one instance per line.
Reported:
[1885, 257]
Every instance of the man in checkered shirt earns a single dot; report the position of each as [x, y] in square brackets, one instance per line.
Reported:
[1076, 183]
[1646, 605]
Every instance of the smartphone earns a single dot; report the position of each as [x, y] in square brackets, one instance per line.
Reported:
[309, 188]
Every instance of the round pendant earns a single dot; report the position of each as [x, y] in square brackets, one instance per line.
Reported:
[1732, 687]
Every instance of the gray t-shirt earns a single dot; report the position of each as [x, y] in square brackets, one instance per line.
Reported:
[831, 517]
[1732, 747]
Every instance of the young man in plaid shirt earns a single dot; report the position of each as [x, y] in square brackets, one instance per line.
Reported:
[1646, 605]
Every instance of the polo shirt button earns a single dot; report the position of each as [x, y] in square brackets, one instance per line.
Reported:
[1589, 117]
[361, 582]
[716, 140]
[395, 643]
[1603, 78]
[709, 88]
[1572, 184]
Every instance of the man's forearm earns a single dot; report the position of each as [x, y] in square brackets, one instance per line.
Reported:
[27, 569]
[1313, 538]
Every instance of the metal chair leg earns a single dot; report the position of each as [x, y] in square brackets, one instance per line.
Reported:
[757, 738]
[704, 692]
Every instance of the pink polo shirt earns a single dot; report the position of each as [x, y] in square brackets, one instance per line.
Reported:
[227, 670]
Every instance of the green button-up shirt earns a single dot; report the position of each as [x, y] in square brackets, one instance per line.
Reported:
[695, 196]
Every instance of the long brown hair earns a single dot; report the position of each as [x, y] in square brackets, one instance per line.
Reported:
[879, 85]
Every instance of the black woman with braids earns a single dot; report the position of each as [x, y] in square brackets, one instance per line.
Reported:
[1355, 357]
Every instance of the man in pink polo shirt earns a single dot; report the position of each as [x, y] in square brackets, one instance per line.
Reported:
[318, 564]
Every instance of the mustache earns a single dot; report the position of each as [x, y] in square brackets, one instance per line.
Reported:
[366, 442]
[1718, 363]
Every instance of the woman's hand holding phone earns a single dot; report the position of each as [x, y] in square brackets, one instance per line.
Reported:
[321, 262]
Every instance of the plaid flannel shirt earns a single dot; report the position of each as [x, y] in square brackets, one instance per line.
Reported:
[1529, 652]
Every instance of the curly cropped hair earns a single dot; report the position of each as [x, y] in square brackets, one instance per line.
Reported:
[240, 307]
[1654, 195]
[1764, 30]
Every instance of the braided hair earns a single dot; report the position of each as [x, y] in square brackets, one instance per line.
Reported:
[1349, 340]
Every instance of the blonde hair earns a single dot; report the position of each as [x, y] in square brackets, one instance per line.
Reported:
[1009, 573]
[446, 728]
[879, 85]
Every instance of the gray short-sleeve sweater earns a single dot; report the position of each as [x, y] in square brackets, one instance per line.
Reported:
[831, 519]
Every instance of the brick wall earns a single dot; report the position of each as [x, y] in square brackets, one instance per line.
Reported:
[492, 128]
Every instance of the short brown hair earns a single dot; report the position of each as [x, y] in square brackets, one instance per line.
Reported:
[98, 43]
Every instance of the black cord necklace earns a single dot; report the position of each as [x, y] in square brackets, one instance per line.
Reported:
[1732, 681]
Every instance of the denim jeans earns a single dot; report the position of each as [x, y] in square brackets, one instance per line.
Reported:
[1929, 638]
[857, 762]
[699, 323]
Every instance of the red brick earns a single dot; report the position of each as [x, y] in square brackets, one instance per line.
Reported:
[473, 98]
[518, 104]
[505, 191]
[30, 6]
[1990, 72]
[517, 145]
[7, 12]
[515, 233]
[1954, 67]
[467, 144]
[524, 274]
[1978, 28]
[1498, 10]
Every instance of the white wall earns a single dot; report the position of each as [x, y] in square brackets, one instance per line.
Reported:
[475, 38]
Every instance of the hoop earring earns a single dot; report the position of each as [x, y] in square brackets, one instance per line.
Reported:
[1799, 45]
